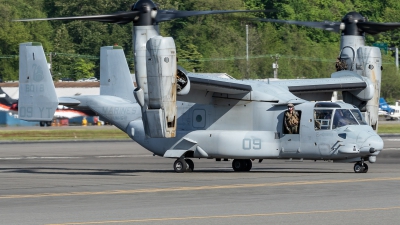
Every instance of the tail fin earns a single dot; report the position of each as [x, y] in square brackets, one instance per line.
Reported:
[115, 77]
[37, 95]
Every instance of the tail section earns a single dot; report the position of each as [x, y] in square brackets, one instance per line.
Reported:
[115, 77]
[384, 106]
[5, 99]
[37, 95]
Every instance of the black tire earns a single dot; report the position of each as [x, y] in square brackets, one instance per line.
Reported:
[42, 123]
[237, 165]
[365, 168]
[190, 164]
[48, 123]
[358, 168]
[247, 165]
[180, 166]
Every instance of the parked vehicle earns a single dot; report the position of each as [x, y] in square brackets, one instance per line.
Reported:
[66, 79]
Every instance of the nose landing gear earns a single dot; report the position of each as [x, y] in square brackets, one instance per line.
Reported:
[360, 167]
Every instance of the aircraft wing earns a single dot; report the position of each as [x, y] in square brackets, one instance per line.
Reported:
[216, 84]
[321, 89]
[203, 87]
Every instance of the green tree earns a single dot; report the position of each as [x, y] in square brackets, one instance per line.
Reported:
[83, 69]
[13, 33]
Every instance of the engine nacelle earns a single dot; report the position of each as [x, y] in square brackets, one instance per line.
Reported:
[159, 109]
[368, 64]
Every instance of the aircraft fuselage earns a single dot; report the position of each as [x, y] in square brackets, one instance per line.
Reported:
[254, 130]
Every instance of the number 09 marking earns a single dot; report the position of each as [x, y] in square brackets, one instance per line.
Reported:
[248, 144]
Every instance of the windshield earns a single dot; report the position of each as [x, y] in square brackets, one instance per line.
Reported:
[343, 117]
[323, 118]
[357, 114]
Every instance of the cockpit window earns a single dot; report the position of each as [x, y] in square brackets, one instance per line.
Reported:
[343, 117]
[323, 118]
[357, 114]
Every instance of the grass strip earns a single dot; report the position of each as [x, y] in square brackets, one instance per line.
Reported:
[389, 128]
[67, 134]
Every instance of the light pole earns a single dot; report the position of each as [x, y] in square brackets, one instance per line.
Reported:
[275, 65]
[396, 53]
[247, 52]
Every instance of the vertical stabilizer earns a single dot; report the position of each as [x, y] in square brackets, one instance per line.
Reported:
[115, 77]
[37, 95]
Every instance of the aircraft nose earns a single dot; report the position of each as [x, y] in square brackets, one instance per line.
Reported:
[375, 143]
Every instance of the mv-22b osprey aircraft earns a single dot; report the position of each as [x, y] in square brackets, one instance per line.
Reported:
[181, 115]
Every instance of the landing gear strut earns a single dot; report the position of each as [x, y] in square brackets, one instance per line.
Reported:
[182, 165]
[360, 167]
[242, 164]
[190, 165]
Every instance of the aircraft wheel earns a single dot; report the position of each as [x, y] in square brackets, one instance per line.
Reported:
[365, 169]
[190, 164]
[247, 165]
[238, 164]
[180, 165]
[42, 123]
[48, 123]
[358, 168]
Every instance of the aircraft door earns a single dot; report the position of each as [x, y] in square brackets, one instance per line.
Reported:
[290, 143]
[323, 129]
[308, 136]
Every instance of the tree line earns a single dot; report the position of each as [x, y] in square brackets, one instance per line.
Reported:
[214, 43]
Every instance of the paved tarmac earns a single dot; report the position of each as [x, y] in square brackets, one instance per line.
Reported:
[121, 183]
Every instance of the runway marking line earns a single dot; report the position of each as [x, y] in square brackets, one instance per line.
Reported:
[230, 186]
[230, 216]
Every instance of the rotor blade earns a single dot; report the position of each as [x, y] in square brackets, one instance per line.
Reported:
[375, 28]
[119, 17]
[166, 15]
[326, 25]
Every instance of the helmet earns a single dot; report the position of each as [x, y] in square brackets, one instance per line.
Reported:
[290, 105]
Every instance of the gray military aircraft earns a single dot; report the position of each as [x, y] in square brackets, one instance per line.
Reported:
[181, 115]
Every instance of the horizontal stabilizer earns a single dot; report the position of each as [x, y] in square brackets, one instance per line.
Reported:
[67, 101]
[37, 95]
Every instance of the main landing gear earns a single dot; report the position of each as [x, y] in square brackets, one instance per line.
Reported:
[242, 164]
[182, 165]
[360, 167]
[45, 123]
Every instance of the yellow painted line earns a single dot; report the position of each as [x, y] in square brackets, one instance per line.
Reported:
[172, 189]
[231, 216]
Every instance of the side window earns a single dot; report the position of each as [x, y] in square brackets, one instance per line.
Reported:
[357, 114]
[291, 122]
[323, 119]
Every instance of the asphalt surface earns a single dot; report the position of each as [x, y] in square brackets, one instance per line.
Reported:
[122, 183]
